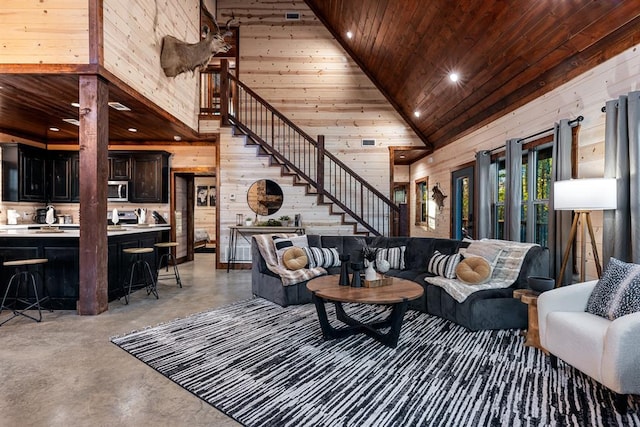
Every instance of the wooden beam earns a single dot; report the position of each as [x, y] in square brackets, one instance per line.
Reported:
[94, 143]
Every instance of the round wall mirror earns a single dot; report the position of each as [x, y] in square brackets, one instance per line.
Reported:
[265, 197]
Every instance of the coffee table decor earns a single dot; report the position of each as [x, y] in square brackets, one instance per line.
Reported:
[380, 281]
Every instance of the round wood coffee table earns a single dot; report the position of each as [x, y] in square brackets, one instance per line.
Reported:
[325, 289]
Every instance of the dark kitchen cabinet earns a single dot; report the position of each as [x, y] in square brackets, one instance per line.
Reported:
[33, 175]
[150, 178]
[23, 173]
[60, 177]
[37, 175]
[119, 167]
[75, 177]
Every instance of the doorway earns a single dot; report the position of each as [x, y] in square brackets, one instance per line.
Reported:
[462, 225]
[193, 211]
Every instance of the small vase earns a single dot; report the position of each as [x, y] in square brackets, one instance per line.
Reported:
[344, 270]
[370, 272]
[356, 282]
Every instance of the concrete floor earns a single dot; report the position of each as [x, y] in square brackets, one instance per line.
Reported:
[64, 371]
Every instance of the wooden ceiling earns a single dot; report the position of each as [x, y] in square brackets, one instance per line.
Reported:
[506, 53]
[31, 104]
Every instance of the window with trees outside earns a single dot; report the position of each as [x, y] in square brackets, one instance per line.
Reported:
[422, 201]
[536, 187]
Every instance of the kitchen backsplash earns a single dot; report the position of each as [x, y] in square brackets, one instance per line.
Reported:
[27, 210]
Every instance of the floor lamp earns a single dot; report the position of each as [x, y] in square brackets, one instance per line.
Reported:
[583, 196]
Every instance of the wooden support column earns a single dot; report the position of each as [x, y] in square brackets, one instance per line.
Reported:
[94, 147]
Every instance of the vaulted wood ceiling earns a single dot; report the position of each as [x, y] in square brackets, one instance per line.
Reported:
[506, 53]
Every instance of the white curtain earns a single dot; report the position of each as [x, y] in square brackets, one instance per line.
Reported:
[621, 228]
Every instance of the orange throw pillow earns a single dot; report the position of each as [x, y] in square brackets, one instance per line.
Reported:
[295, 258]
[473, 270]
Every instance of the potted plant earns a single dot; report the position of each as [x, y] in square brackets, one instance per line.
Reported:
[285, 220]
[369, 254]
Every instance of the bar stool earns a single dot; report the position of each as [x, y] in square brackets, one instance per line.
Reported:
[139, 264]
[168, 257]
[21, 279]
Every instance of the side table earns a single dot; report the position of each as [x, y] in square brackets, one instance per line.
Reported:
[532, 335]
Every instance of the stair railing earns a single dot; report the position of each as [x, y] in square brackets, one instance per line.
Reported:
[307, 158]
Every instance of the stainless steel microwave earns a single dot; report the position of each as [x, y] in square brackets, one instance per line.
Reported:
[118, 191]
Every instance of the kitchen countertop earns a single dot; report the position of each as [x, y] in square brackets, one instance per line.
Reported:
[72, 230]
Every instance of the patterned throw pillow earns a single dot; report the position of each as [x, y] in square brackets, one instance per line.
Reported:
[283, 243]
[444, 265]
[395, 257]
[323, 257]
[488, 249]
[617, 293]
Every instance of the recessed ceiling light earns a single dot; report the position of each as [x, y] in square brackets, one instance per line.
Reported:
[75, 104]
[416, 113]
[132, 130]
[402, 156]
[349, 34]
[54, 129]
[454, 77]
[177, 138]
[72, 121]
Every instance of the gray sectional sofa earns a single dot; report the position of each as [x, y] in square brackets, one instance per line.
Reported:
[485, 309]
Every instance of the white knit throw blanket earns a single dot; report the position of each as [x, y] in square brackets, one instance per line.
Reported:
[505, 272]
[288, 277]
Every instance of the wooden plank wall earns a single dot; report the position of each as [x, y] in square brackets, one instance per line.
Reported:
[299, 68]
[39, 32]
[239, 168]
[133, 33]
[585, 96]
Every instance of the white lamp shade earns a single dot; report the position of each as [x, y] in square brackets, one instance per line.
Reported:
[591, 194]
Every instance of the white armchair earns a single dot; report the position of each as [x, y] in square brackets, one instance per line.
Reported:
[608, 351]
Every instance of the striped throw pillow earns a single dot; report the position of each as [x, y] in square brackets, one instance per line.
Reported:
[323, 257]
[395, 257]
[444, 265]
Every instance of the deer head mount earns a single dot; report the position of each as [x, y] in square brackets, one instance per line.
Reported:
[177, 56]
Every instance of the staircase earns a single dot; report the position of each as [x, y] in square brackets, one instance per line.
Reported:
[306, 160]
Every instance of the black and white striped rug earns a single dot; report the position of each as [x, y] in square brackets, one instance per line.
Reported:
[265, 365]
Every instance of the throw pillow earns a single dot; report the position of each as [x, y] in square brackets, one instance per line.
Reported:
[395, 257]
[323, 257]
[444, 265]
[473, 270]
[294, 258]
[617, 293]
[281, 244]
[487, 249]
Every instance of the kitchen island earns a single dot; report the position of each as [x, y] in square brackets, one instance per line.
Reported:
[60, 246]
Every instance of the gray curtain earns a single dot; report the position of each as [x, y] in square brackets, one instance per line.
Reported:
[484, 191]
[513, 190]
[621, 228]
[560, 221]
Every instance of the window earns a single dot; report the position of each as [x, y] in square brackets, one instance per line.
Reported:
[536, 186]
[422, 201]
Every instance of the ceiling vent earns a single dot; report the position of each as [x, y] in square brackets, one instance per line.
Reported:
[368, 142]
[292, 16]
[118, 106]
